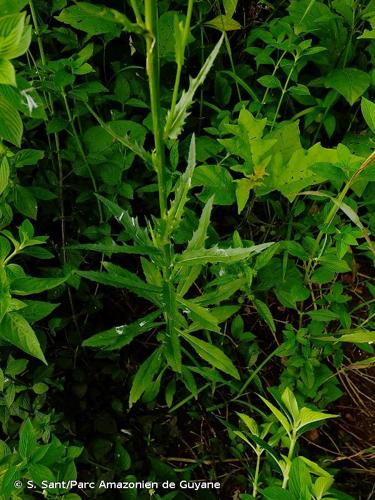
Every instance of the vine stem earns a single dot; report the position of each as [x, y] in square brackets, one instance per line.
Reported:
[153, 72]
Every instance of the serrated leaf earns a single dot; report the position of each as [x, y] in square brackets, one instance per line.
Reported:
[215, 254]
[177, 121]
[27, 441]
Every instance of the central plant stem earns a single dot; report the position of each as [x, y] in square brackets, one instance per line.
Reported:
[153, 72]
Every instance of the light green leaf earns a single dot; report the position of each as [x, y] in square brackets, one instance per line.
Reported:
[213, 355]
[172, 348]
[11, 6]
[323, 315]
[224, 23]
[351, 83]
[200, 314]
[290, 402]
[11, 127]
[322, 485]
[307, 416]
[217, 182]
[249, 422]
[368, 112]
[230, 7]
[145, 376]
[276, 493]
[30, 285]
[15, 330]
[356, 336]
[7, 73]
[278, 414]
[176, 122]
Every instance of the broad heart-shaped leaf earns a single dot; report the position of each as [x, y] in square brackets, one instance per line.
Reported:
[11, 127]
[351, 83]
[120, 336]
[96, 19]
[216, 254]
[212, 355]
[293, 177]
[145, 376]
[307, 416]
[15, 330]
[224, 23]
[368, 112]
[29, 285]
[176, 121]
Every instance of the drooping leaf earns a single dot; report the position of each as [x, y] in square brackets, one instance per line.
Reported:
[145, 376]
[15, 330]
[213, 355]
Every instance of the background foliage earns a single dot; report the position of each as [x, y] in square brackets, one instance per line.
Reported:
[186, 263]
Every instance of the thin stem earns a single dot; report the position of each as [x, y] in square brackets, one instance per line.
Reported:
[153, 72]
[256, 476]
[335, 207]
[293, 441]
[283, 92]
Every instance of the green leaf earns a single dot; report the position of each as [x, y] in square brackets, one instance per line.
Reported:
[172, 348]
[265, 314]
[176, 121]
[29, 285]
[11, 6]
[96, 19]
[122, 458]
[4, 174]
[368, 112]
[120, 336]
[230, 7]
[200, 314]
[278, 414]
[216, 254]
[181, 193]
[307, 416]
[270, 82]
[323, 315]
[213, 355]
[11, 127]
[290, 403]
[25, 201]
[322, 485]
[276, 493]
[224, 23]
[217, 182]
[249, 422]
[7, 73]
[351, 83]
[35, 310]
[15, 330]
[144, 376]
[357, 336]
[27, 441]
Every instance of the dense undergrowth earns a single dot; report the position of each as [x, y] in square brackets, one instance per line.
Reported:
[186, 262]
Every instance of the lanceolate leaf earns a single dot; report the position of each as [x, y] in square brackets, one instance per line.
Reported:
[212, 355]
[216, 254]
[122, 335]
[30, 285]
[145, 376]
[180, 114]
[17, 331]
[172, 345]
